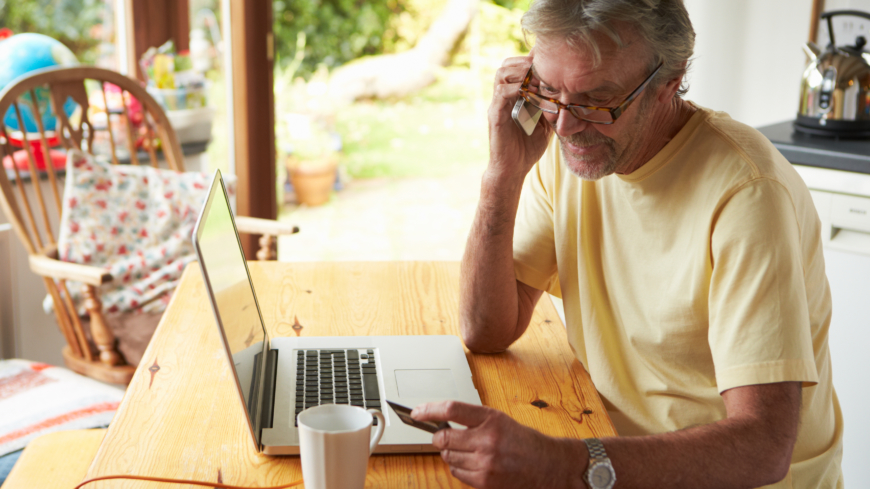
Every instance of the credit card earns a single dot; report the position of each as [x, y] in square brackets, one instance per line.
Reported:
[405, 415]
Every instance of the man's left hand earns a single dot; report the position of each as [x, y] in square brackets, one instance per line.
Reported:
[496, 451]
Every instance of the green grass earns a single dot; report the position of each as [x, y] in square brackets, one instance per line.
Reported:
[433, 133]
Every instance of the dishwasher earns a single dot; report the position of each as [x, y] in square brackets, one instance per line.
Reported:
[837, 173]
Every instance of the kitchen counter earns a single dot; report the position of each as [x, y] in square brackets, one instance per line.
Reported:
[851, 155]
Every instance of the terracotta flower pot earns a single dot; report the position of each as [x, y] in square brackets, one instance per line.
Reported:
[313, 180]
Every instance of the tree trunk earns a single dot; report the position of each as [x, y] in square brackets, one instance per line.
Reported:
[397, 75]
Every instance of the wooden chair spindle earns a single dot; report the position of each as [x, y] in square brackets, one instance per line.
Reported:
[36, 239]
[100, 332]
[131, 137]
[8, 202]
[150, 139]
[34, 176]
[268, 248]
[109, 124]
[63, 320]
[49, 163]
[76, 323]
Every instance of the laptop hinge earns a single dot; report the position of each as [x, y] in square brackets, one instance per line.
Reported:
[269, 389]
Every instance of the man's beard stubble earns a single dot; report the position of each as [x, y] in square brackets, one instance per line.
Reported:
[615, 154]
[583, 166]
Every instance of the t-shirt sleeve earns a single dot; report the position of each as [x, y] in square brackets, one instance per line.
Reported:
[759, 318]
[534, 239]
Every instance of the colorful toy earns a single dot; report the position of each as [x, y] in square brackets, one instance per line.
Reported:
[171, 78]
[23, 53]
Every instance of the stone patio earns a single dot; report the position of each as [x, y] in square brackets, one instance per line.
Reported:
[387, 219]
[402, 219]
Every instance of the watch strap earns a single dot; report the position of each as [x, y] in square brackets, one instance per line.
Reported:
[596, 448]
[598, 461]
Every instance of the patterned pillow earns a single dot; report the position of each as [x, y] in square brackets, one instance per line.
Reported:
[36, 399]
[134, 221]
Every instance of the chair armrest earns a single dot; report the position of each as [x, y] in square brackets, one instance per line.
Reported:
[255, 225]
[49, 267]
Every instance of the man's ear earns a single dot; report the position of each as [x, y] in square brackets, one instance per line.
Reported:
[669, 89]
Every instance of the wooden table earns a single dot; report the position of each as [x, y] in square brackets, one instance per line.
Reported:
[57, 460]
[181, 417]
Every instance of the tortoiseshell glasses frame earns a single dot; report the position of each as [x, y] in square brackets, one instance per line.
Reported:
[588, 113]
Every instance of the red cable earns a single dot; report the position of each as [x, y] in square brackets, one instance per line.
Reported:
[216, 485]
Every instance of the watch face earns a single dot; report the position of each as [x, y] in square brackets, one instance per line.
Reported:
[601, 476]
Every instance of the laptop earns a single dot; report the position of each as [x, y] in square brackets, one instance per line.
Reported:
[277, 378]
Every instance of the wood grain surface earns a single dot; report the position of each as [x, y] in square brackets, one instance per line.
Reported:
[57, 269]
[182, 416]
[56, 460]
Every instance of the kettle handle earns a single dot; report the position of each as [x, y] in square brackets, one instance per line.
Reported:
[835, 13]
[827, 16]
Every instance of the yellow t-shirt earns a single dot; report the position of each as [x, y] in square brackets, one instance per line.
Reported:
[699, 272]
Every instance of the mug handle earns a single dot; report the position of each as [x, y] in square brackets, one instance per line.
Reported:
[379, 432]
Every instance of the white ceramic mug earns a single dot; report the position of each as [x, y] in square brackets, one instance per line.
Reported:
[335, 443]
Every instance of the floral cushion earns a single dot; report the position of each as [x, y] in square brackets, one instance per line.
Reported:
[36, 399]
[134, 221]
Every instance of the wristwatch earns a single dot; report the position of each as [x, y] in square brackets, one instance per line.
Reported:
[600, 473]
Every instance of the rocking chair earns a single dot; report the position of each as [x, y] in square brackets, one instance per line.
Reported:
[92, 347]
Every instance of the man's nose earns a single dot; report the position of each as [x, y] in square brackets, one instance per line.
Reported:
[567, 124]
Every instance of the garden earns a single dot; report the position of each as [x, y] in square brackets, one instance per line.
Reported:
[382, 92]
[430, 131]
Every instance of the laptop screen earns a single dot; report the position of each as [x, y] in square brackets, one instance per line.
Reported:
[232, 296]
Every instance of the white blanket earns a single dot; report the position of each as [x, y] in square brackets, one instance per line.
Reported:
[36, 399]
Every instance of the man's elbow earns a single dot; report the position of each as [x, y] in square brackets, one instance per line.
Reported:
[479, 342]
[776, 465]
[767, 428]
[775, 471]
[481, 345]
[783, 464]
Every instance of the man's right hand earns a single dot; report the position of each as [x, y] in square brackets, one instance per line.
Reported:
[512, 152]
[497, 451]
[495, 306]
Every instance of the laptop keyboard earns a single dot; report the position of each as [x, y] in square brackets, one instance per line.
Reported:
[336, 377]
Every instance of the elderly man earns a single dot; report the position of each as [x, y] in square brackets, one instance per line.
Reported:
[688, 255]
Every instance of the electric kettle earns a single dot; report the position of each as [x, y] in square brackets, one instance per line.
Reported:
[835, 91]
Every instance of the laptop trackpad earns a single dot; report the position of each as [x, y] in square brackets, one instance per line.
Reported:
[426, 384]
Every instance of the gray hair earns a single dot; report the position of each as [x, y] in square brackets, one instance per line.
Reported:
[663, 25]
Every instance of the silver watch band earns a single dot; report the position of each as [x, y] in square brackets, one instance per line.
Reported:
[596, 448]
[600, 473]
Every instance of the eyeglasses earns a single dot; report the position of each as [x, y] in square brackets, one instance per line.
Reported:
[588, 113]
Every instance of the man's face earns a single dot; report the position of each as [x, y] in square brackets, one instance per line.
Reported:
[592, 151]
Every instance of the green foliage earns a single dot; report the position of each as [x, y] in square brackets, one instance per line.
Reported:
[337, 30]
[514, 4]
[438, 131]
[495, 34]
[406, 28]
[433, 132]
[69, 21]
[498, 24]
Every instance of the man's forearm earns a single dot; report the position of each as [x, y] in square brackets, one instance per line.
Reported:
[752, 447]
[725, 454]
[744, 450]
[489, 298]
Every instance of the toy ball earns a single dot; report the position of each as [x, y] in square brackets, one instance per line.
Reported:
[23, 53]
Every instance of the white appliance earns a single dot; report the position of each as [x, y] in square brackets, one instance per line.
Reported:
[842, 200]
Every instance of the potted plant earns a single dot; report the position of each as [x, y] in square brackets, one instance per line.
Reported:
[312, 164]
